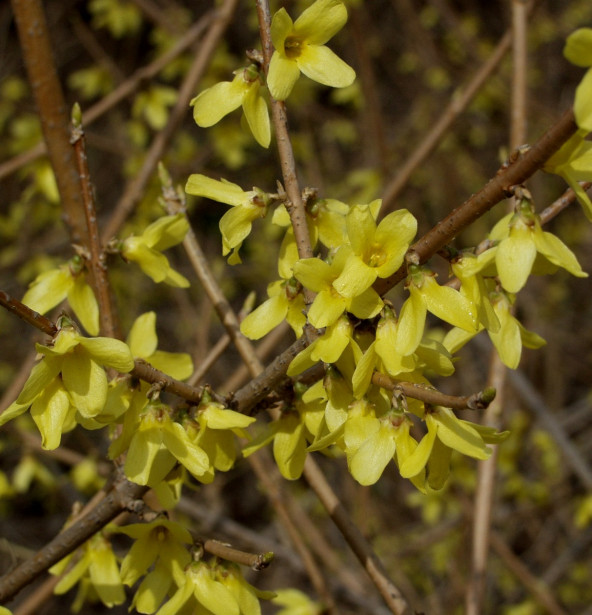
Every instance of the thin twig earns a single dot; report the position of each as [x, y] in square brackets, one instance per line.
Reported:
[256, 561]
[537, 588]
[135, 188]
[359, 545]
[295, 205]
[430, 395]
[108, 317]
[27, 314]
[486, 474]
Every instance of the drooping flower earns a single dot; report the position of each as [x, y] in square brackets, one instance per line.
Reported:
[427, 295]
[69, 379]
[235, 224]
[521, 241]
[211, 105]
[300, 47]
[160, 544]
[578, 50]
[146, 249]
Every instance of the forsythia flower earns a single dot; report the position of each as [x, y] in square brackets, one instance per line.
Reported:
[285, 301]
[161, 544]
[67, 281]
[296, 603]
[521, 239]
[70, 378]
[300, 47]
[373, 250]
[96, 571]
[213, 104]
[573, 162]
[329, 304]
[235, 224]
[442, 301]
[146, 249]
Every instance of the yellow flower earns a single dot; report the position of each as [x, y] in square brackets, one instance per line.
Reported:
[67, 281]
[521, 241]
[69, 378]
[213, 104]
[300, 47]
[373, 250]
[329, 304]
[97, 570]
[146, 249]
[235, 224]
[161, 544]
[427, 295]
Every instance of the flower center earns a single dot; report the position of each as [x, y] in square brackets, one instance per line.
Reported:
[293, 47]
[376, 256]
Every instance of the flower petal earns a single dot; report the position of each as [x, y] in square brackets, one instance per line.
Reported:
[282, 75]
[578, 47]
[257, 116]
[355, 278]
[84, 303]
[109, 351]
[86, 382]
[320, 64]
[321, 21]
[514, 259]
[142, 340]
[266, 317]
[221, 191]
[213, 104]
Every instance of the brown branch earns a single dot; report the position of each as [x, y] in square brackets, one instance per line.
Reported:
[27, 314]
[294, 205]
[51, 107]
[108, 318]
[359, 545]
[121, 496]
[136, 187]
[492, 193]
[429, 395]
[256, 561]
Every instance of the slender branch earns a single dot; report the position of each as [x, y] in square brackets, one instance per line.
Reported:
[100, 281]
[256, 561]
[492, 193]
[359, 545]
[136, 187]
[206, 277]
[484, 493]
[121, 496]
[295, 205]
[429, 395]
[27, 314]
[51, 107]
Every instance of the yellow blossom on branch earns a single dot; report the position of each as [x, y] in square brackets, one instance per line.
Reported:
[300, 47]
[213, 104]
